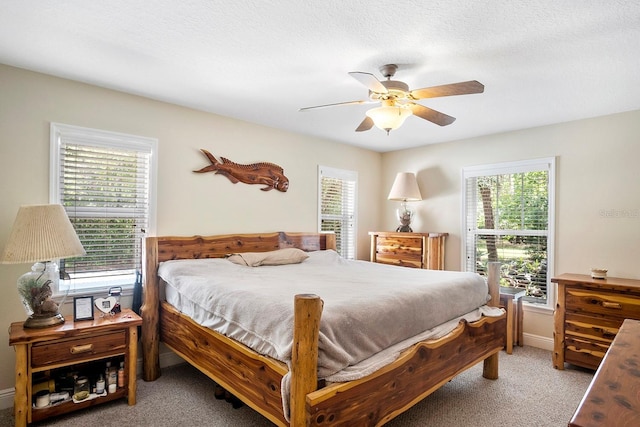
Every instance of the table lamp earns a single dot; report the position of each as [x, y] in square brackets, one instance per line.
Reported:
[41, 234]
[405, 189]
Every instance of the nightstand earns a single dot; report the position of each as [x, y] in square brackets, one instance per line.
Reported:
[49, 355]
[417, 250]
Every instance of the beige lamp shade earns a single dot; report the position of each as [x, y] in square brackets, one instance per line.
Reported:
[405, 188]
[41, 233]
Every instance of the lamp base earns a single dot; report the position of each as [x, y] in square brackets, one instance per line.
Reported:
[404, 229]
[36, 321]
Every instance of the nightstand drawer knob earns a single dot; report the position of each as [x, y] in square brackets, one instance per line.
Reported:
[81, 348]
[616, 305]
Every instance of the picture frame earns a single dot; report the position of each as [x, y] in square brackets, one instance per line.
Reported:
[82, 308]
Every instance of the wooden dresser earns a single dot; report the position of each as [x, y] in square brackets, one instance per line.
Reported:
[417, 250]
[588, 315]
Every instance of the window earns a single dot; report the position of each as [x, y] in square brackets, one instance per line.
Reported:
[105, 181]
[509, 217]
[337, 191]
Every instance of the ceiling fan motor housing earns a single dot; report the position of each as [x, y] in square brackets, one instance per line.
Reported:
[396, 90]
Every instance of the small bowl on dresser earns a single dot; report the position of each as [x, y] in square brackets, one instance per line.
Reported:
[599, 273]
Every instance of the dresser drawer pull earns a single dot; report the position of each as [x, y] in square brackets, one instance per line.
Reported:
[81, 348]
[615, 305]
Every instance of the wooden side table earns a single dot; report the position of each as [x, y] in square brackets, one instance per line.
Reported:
[509, 296]
[67, 347]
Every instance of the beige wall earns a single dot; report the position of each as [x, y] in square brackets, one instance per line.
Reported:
[597, 194]
[188, 203]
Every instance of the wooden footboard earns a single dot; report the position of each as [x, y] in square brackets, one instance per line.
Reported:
[256, 379]
[421, 370]
[253, 378]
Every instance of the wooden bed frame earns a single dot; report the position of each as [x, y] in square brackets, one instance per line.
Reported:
[256, 379]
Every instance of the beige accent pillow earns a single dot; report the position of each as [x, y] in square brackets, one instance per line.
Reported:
[278, 257]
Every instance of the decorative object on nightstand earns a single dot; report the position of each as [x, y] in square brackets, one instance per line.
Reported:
[41, 234]
[405, 189]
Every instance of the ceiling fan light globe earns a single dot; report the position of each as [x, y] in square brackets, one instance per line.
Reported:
[389, 118]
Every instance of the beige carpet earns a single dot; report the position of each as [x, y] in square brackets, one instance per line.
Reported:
[529, 392]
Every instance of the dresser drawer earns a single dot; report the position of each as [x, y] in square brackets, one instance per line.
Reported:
[607, 303]
[403, 251]
[411, 246]
[78, 349]
[402, 260]
[591, 327]
[587, 354]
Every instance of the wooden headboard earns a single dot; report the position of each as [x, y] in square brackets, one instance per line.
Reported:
[159, 249]
[193, 247]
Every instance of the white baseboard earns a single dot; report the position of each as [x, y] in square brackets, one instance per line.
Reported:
[6, 398]
[544, 343]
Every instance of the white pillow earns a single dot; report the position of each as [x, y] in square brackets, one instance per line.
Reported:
[278, 257]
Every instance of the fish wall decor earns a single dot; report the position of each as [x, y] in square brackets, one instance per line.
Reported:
[268, 174]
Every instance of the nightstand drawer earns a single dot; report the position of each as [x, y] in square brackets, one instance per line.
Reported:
[78, 349]
[609, 304]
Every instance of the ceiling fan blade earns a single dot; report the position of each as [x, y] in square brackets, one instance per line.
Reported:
[370, 81]
[366, 124]
[334, 105]
[462, 88]
[432, 115]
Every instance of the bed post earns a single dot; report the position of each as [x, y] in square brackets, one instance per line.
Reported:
[304, 355]
[490, 370]
[150, 336]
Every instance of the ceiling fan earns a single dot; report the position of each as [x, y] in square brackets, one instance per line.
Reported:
[397, 100]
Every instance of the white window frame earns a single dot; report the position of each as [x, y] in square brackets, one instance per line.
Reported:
[349, 251]
[60, 133]
[543, 164]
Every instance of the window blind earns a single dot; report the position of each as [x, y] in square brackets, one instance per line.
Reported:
[508, 211]
[337, 204]
[104, 184]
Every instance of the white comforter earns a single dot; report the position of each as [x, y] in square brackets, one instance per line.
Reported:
[371, 311]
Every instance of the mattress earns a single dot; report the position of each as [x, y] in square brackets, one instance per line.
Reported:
[371, 311]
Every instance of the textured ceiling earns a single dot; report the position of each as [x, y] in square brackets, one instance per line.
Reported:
[541, 62]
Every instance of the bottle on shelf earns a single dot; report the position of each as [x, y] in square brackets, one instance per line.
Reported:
[100, 385]
[121, 375]
[111, 378]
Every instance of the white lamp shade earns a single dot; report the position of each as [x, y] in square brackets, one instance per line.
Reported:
[389, 117]
[41, 233]
[405, 188]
